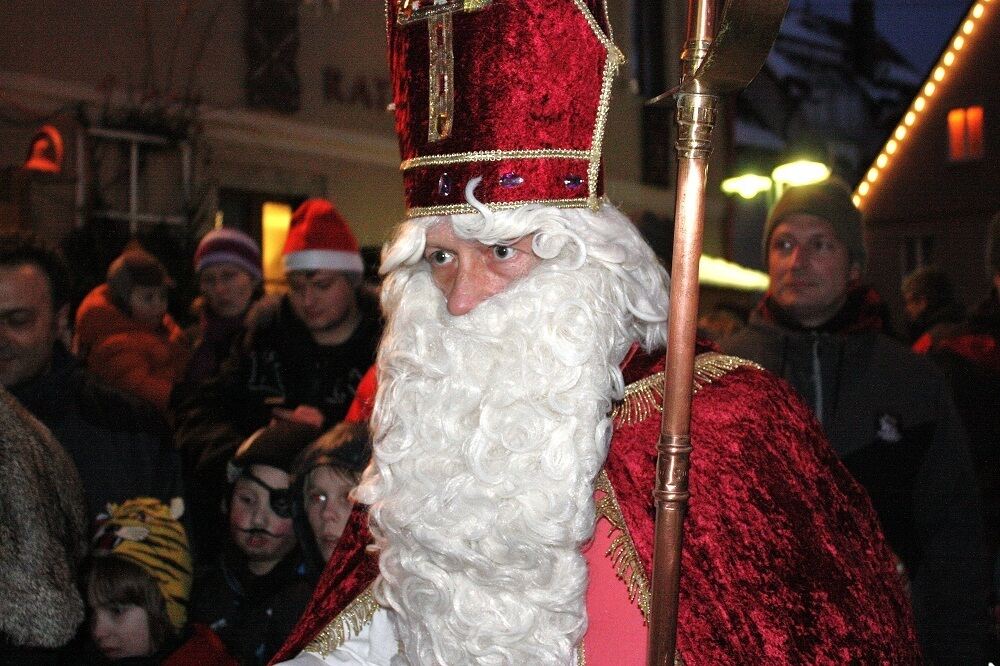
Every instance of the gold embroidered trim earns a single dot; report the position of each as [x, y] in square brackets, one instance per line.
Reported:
[348, 622]
[644, 397]
[456, 209]
[493, 156]
[622, 552]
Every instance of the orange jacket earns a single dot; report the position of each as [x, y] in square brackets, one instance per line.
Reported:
[128, 354]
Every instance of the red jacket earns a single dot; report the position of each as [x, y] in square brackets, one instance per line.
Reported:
[203, 648]
[128, 354]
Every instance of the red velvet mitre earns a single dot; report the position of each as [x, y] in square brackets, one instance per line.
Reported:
[529, 85]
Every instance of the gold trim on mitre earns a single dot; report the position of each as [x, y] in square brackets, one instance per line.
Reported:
[348, 622]
[492, 156]
[458, 209]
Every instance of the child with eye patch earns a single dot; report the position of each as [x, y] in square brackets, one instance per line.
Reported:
[137, 586]
[252, 596]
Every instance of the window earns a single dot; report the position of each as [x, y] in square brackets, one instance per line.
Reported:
[965, 134]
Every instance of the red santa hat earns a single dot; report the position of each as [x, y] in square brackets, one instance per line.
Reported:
[319, 238]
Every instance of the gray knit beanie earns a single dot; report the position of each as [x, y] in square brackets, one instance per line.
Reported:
[829, 200]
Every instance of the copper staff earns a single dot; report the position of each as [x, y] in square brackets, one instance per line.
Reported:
[719, 57]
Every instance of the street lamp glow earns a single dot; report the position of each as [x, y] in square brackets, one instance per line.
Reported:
[747, 186]
[800, 172]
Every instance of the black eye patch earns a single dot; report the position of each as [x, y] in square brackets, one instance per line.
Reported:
[282, 500]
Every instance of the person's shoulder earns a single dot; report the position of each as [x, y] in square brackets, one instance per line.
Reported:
[107, 407]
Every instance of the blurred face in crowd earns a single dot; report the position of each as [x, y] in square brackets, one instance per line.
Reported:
[810, 269]
[148, 304]
[468, 272]
[121, 630]
[327, 505]
[264, 537]
[29, 327]
[324, 300]
[227, 288]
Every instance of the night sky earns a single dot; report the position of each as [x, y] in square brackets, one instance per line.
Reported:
[917, 28]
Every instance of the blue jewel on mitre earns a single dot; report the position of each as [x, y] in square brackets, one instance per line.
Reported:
[573, 182]
[444, 185]
[511, 180]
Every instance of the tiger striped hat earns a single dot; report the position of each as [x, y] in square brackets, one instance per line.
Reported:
[146, 531]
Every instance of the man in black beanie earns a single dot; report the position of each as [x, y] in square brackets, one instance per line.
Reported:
[256, 591]
[887, 412]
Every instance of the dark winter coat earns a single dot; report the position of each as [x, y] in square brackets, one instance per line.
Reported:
[890, 417]
[251, 614]
[43, 530]
[120, 445]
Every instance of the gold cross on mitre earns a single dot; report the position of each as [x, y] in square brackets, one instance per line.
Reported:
[441, 69]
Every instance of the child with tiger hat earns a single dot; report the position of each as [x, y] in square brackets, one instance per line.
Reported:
[138, 585]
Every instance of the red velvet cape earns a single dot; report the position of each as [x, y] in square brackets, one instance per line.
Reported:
[783, 560]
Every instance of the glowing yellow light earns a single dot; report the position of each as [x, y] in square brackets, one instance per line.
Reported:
[919, 103]
[890, 148]
[722, 273]
[968, 26]
[949, 58]
[900, 133]
[857, 201]
[747, 185]
[909, 118]
[977, 11]
[275, 218]
[863, 188]
[958, 43]
[800, 172]
[930, 88]
[882, 160]
[939, 73]
[873, 174]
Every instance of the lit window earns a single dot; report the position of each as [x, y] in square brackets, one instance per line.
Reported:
[965, 134]
[275, 218]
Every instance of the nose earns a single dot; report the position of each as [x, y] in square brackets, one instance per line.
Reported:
[329, 511]
[799, 255]
[470, 287]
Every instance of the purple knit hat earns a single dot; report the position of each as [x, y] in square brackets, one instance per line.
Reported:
[226, 245]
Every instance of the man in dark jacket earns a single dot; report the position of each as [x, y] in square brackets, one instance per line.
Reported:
[120, 447]
[301, 359]
[887, 412]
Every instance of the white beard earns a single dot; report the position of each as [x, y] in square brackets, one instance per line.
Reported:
[490, 430]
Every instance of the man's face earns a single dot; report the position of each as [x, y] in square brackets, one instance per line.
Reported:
[29, 327]
[263, 537]
[322, 299]
[468, 272]
[227, 288]
[810, 269]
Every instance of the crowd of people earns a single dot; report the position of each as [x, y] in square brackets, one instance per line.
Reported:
[457, 467]
[186, 486]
